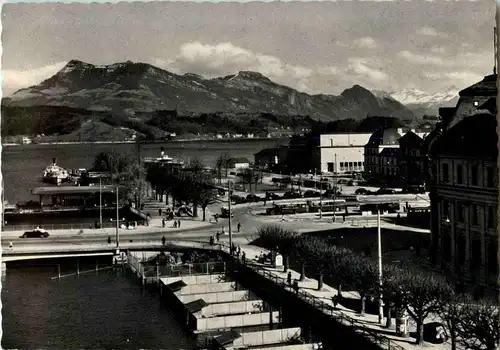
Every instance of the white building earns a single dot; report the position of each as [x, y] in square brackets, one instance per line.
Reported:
[343, 152]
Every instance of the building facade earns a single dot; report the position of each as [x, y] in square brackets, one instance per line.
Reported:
[412, 159]
[465, 201]
[383, 138]
[342, 152]
[463, 181]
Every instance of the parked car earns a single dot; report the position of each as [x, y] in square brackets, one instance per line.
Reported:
[237, 199]
[253, 198]
[310, 194]
[36, 233]
[362, 191]
[386, 191]
[291, 195]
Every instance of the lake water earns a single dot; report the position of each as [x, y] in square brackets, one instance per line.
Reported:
[22, 166]
[108, 310]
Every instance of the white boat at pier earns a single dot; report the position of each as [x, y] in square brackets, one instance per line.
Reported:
[54, 174]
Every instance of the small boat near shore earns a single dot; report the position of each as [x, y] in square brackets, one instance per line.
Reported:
[55, 174]
[164, 159]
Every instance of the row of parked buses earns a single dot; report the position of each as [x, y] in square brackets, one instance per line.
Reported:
[297, 207]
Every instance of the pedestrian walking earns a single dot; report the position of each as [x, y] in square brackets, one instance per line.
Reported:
[175, 223]
[10, 245]
[243, 258]
[163, 223]
[296, 287]
[335, 300]
[211, 240]
[222, 230]
[163, 240]
[289, 278]
[179, 224]
[238, 251]
[239, 227]
[159, 212]
[109, 239]
[217, 235]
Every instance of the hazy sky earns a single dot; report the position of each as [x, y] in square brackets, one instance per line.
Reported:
[316, 47]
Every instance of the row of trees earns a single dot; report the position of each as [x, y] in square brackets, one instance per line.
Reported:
[190, 186]
[474, 324]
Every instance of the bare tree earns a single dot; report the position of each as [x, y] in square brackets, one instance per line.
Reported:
[219, 165]
[451, 314]
[364, 277]
[422, 294]
[277, 237]
[478, 327]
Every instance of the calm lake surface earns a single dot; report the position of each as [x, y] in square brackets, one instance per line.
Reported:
[23, 166]
[108, 310]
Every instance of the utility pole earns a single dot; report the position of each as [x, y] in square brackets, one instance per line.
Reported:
[379, 256]
[138, 203]
[320, 199]
[229, 210]
[117, 220]
[100, 201]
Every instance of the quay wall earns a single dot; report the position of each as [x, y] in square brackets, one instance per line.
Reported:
[329, 329]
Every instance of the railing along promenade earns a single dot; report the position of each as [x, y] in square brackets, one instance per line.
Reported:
[334, 313]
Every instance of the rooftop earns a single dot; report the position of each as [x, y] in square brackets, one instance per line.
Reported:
[40, 191]
[474, 136]
[384, 136]
[486, 87]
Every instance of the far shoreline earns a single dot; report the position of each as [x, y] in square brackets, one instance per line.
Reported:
[146, 142]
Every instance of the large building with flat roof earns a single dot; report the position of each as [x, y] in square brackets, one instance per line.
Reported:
[342, 152]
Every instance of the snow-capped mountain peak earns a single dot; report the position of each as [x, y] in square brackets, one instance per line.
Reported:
[415, 96]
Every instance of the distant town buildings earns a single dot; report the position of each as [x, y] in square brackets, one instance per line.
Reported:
[463, 179]
[342, 152]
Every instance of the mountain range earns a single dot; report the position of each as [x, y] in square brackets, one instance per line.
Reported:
[142, 89]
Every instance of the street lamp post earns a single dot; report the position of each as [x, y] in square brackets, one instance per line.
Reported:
[377, 203]
[117, 220]
[229, 211]
[380, 276]
[100, 201]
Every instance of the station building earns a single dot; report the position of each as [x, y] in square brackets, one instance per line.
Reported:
[342, 152]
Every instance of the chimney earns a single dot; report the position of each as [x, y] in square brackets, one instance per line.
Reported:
[53, 161]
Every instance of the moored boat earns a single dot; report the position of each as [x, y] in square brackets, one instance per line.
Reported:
[55, 174]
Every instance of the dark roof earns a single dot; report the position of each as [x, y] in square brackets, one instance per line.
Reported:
[410, 139]
[227, 337]
[474, 136]
[239, 160]
[486, 87]
[384, 136]
[267, 152]
[490, 105]
[196, 305]
[389, 152]
[71, 190]
[176, 286]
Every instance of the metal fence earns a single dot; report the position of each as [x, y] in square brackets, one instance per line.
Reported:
[66, 227]
[328, 309]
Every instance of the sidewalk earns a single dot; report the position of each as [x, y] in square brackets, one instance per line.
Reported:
[369, 321]
[155, 226]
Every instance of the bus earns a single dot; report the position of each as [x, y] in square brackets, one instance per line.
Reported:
[287, 208]
[326, 205]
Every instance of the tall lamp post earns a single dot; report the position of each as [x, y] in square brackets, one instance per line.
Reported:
[117, 219]
[100, 201]
[229, 211]
[377, 202]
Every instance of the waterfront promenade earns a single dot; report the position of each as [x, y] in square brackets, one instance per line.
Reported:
[366, 324]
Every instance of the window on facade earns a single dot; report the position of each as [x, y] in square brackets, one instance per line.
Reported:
[490, 217]
[445, 208]
[460, 175]
[474, 175]
[331, 142]
[490, 173]
[491, 259]
[459, 251]
[341, 165]
[460, 212]
[350, 165]
[474, 215]
[446, 173]
[475, 253]
[330, 167]
[446, 245]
